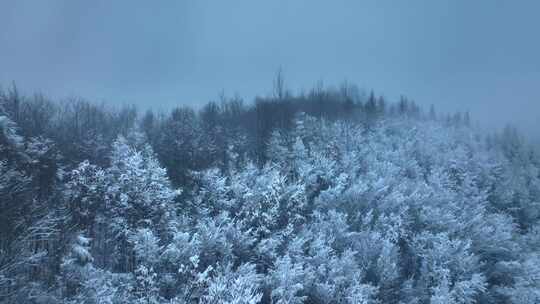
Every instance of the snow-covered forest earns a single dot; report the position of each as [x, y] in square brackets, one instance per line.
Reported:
[331, 196]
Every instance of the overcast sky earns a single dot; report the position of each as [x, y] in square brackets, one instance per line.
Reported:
[482, 56]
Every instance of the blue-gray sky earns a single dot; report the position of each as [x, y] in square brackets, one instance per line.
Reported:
[482, 56]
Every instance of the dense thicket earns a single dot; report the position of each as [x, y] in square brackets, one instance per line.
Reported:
[332, 196]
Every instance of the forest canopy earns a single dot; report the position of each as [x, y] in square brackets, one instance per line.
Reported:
[329, 196]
